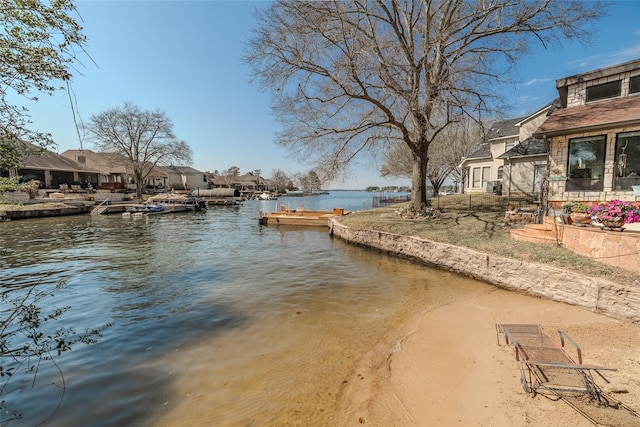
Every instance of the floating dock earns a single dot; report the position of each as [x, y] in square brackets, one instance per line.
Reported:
[300, 217]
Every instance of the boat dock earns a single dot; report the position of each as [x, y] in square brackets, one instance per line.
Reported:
[300, 217]
[546, 368]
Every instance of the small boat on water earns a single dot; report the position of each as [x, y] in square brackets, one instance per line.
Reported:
[300, 216]
[146, 208]
[178, 202]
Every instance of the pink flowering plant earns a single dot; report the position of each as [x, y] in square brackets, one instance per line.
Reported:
[616, 210]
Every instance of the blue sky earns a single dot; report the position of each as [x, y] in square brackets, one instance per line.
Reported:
[184, 58]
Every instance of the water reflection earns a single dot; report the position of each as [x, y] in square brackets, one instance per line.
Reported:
[216, 319]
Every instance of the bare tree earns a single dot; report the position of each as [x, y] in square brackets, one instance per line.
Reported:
[352, 77]
[145, 139]
[230, 175]
[445, 154]
[308, 182]
[39, 43]
[279, 180]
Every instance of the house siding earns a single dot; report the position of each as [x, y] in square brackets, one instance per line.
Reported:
[577, 93]
[607, 117]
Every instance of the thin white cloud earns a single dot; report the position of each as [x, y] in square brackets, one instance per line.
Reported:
[604, 60]
[537, 81]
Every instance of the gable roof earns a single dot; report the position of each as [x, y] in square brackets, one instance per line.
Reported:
[529, 147]
[184, 170]
[483, 151]
[48, 160]
[107, 163]
[505, 128]
[601, 115]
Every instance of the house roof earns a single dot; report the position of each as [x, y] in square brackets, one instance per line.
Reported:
[483, 151]
[179, 169]
[601, 115]
[103, 162]
[47, 160]
[529, 147]
[505, 128]
[107, 163]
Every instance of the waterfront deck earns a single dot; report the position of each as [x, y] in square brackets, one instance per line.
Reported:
[300, 217]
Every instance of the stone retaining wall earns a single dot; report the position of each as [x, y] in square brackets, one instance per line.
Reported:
[592, 293]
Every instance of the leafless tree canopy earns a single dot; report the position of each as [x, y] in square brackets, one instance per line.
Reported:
[279, 180]
[144, 139]
[446, 152]
[352, 76]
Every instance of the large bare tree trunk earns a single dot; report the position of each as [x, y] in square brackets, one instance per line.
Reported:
[419, 182]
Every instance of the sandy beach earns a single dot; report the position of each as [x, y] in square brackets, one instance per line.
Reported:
[445, 367]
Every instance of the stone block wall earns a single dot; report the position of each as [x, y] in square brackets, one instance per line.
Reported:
[592, 293]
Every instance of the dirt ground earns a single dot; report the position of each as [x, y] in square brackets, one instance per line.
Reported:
[446, 367]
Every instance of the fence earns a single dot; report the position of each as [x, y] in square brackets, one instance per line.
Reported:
[477, 202]
[390, 199]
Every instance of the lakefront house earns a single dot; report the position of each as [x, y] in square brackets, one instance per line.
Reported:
[509, 160]
[594, 139]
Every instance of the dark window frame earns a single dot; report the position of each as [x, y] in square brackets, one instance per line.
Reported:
[606, 90]
[634, 84]
[627, 172]
[586, 174]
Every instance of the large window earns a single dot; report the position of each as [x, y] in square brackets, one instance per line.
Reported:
[486, 175]
[604, 90]
[634, 84]
[509, 143]
[539, 172]
[476, 177]
[627, 167]
[586, 164]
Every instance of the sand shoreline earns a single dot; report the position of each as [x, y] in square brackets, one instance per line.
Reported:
[444, 366]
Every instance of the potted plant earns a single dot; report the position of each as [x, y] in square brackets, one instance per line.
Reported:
[615, 214]
[580, 214]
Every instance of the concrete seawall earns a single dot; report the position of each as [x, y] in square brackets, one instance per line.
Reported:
[592, 293]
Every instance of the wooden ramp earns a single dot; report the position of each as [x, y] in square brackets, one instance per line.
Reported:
[547, 368]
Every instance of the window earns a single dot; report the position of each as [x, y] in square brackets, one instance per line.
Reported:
[476, 177]
[539, 171]
[82, 159]
[634, 84]
[627, 166]
[586, 164]
[500, 173]
[509, 143]
[486, 175]
[604, 90]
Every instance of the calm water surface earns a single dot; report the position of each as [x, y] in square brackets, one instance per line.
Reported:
[215, 320]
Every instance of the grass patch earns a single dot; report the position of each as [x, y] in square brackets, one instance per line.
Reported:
[33, 206]
[484, 231]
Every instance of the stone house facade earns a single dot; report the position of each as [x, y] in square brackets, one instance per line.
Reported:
[594, 139]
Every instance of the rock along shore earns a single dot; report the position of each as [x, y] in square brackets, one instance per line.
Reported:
[592, 293]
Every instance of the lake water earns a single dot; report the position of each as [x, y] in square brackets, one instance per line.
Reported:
[214, 319]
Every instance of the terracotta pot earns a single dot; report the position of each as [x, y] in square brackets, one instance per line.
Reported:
[612, 225]
[579, 218]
